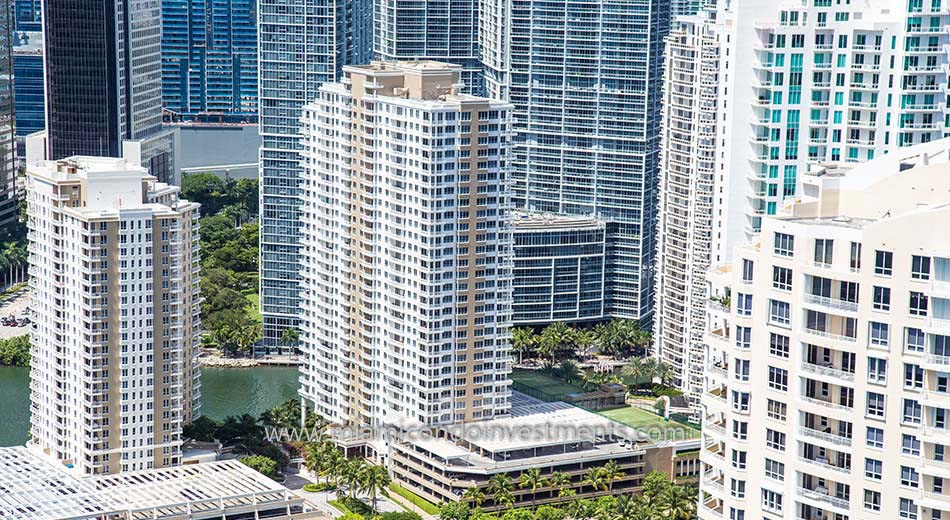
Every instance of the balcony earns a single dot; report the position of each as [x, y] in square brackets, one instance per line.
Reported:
[824, 463]
[825, 370]
[830, 335]
[712, 484]
[718, 369]
[821, 495]
[828, 437]
[834, 304]
[827, 404]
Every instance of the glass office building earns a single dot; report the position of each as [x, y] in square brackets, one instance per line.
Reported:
[28, 15]
[585, 80]
[104, 87]
[8, 202]
[28, 85]
[300, 49]
[209, 60]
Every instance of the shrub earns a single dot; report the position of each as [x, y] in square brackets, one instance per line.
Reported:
[399, 515]
[263, 465]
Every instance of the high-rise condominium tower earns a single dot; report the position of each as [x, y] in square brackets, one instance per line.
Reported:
[445, 30]
[795, 84]
[8, 203]
[114, 284]
[407, 251]
[828, 370]
[209, 59]
[300, 48]
[104, 82]
[582, 79]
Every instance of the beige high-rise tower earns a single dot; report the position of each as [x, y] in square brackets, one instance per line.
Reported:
[114, 279]
[407, 249]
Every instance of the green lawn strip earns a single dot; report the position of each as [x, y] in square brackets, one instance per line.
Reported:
[255, 301]
[649, 422]
[544, 384]
[351, 505]
[416, 500]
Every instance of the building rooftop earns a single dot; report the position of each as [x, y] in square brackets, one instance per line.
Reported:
[34, 488]
[536, 221]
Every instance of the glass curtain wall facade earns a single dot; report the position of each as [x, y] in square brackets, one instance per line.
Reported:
[8, 202]
[103, 82]
[300, 48]
[443, 30]
[28, 15]
[209, 60]
[28, 87]
[582, 78]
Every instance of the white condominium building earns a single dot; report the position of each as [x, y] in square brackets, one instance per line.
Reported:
[408, 245]
[114, 283]
[829, 366]
[794, 84]
[687, 192]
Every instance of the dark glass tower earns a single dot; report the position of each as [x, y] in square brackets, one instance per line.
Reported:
[8, 202]
[104, 83]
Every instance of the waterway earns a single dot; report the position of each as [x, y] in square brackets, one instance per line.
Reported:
[224, 392]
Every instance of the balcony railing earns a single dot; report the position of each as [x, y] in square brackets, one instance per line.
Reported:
[830, 335]
[826, 465]
[823, 497]
[829, 404]
[833, 303]
[812, 368]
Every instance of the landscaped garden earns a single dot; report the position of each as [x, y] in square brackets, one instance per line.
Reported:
[650, 423]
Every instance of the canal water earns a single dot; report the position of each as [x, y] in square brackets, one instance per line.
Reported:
[224, 392]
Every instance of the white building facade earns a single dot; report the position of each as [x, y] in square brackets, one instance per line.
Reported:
[827, 376]
[796, 85]
[114, 283]
[408, 246]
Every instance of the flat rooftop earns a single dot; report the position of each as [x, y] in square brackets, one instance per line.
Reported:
[535, 221]
[34, 488]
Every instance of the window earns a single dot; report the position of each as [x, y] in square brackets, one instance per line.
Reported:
[741, 367]
[737, 488]
[909, 477]
[918, 304]
[915, 340]
[920, 267]
[775, 439]
[911, 411]
[913, 376]
[736, 514]
[875, 437]
[774, 469]
[779, 312]
[744, 304]
[778, 379]
[823, 251]
[875, 404]
[740, 401]
[872, 469]
[778, 345]
[882, 298]
[771, 501]
[784, 244]
[880, 334]
[740, 430]
[872, 500]
[743, 337]
[907, 509]
[777, 410]
[910, 445]
[855, 256]
[877, 370]
[782, 278]
[747, 270]
[739, 459]
[883, 263]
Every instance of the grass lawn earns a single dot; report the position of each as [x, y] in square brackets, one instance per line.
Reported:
[418, 501]
[255, 301]
[651, 424]
[548, 388]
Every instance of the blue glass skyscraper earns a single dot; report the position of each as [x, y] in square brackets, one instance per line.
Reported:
[301, 47]
[209, 59]
[29, 97]
[28, 15]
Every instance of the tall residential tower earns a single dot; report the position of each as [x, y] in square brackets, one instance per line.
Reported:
[114, 285]
[407, 247]
[584, 81]
[300, 48]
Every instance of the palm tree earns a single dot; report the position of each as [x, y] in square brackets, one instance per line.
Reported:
[522, 341]
[500, 487]
[637, 369]
[335, 466]
[569, 371]
[641, 340]
[677, 503]
[605, 336]
[663, 371]
[373, 480]
[247, 336]
[612, 472]
[351, 474]
[595, 478]
[290, 337]
[555, 338]
[583, 342]
[533, 480]
[475, 495]
[560, 480]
